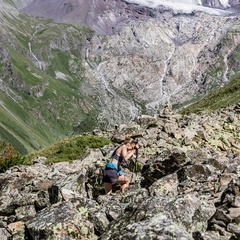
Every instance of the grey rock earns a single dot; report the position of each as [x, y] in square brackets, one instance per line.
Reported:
[166, 163]
[45, 223]
[4, 234]
[179, 192]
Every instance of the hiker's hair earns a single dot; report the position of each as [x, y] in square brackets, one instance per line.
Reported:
[130, 140]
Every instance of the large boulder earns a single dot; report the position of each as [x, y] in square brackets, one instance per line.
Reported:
[63, 220]
[163, 164]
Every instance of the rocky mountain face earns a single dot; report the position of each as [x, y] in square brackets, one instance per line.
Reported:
[68, 78]
[186, 186]
[147, 57]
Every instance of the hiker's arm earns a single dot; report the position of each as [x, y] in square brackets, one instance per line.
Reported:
[126, 155]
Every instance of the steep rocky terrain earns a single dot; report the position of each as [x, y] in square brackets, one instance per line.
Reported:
[151, 64]
[70, 79]
[187, 186]
[60, 78]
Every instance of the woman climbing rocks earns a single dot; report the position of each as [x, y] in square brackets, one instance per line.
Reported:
[112, 172]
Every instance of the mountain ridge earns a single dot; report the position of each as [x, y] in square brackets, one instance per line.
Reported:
[104, 16]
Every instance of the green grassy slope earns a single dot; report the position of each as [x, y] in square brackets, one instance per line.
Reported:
[226, 96]
[40, 106]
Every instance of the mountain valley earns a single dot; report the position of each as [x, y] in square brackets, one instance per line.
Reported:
[61, 77]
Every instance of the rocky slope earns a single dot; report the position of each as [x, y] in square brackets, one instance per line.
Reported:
[150, 64]
[187, 186]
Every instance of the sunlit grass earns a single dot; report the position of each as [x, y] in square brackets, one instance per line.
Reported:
[226, 96]
[69, 149]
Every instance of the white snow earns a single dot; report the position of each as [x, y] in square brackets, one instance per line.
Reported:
[183, 6]
[224, 3]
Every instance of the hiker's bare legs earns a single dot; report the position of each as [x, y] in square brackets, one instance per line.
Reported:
[108, 188]
[124, 181]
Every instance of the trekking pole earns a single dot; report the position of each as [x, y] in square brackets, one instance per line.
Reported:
[136, 163]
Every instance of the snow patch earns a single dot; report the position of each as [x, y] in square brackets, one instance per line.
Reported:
[225, 3]
[184, 6]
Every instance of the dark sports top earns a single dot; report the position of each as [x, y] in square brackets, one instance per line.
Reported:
[116, 157]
